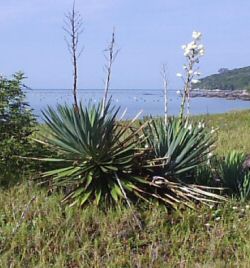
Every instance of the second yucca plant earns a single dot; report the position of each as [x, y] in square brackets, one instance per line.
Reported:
[233, 176]
[177, 147]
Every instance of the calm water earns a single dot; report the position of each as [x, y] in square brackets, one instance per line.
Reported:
[150, 101]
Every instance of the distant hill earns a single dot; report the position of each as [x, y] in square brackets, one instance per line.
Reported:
[227, 79]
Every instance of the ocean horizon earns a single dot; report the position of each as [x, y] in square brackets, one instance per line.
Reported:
[149, 101]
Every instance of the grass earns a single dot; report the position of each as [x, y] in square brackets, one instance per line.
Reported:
[52, 235]
[55, 236]
[234, 130]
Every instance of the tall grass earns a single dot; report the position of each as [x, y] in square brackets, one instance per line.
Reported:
[52, 235]
[234, 130]
[55, 236]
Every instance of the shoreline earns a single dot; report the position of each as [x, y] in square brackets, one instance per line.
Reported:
[226, 94]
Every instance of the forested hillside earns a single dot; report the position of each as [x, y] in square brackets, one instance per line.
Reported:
[227, 80]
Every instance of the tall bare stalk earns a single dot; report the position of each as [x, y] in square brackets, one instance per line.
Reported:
[165, 88]
[74, 28]
[187, 88]
[110, 58]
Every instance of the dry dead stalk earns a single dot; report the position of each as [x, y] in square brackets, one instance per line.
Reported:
[73, 28]
[110, 58]
[165, 87]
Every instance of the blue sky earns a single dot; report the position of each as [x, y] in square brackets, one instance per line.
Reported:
[148, 34]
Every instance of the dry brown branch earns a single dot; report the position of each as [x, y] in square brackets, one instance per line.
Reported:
[110, 58]
[165, 88]
[73, 27]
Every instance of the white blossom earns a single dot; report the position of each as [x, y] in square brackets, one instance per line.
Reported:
[200, 47]
[190, 48]
[192, 51]
[197, 73]
[194, 48]
[201, 125]
[179, 74]
[209, 155]
[196, 35]
[191, 45]
[202, 52]
[195, 81]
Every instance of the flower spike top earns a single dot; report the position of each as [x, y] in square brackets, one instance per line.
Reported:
[192, 52]
[193, 48]
[196, 35]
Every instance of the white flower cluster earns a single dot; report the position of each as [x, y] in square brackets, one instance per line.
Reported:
[192, 52]
[201, 125]
[194, 48]
[188, 126]
[196, 35]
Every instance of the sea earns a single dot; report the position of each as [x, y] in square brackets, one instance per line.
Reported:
[147, 102]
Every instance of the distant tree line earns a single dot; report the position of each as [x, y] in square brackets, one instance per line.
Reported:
[236, 79]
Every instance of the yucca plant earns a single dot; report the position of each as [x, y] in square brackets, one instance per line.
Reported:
[178, 147]
[97, 155]
[231, 170]
[245, 187]
[174, 151]
[233, 175]
[101, 160]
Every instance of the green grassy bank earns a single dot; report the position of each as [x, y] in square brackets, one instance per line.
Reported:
[233, 130]
[52, 236]
[44, 233]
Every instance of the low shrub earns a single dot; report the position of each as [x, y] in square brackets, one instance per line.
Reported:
[16, 125]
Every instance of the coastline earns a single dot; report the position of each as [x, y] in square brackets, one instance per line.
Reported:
[217, 93]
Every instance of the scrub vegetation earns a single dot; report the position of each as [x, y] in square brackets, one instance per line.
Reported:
[88, 190]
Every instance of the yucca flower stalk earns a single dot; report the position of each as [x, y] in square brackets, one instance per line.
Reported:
[165, 93]
[192, 52]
